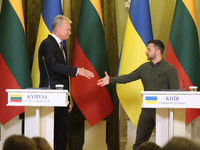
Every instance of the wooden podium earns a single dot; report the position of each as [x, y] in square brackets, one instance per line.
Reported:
[39, 109]
[170, 111]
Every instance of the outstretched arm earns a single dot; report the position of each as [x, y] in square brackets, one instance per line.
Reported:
[104, 81]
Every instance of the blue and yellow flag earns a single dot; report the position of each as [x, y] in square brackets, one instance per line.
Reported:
[138, 33]
[50, 9]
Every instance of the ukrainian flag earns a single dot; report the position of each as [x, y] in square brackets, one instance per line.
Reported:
[50, 9]
[138, 33]
[151, 100]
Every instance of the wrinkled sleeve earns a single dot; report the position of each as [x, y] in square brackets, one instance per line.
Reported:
[126, 78]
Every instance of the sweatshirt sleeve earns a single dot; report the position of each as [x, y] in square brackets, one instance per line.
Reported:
[125, 78]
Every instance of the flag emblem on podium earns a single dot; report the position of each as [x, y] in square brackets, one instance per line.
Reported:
[16, 98]
[151, 100]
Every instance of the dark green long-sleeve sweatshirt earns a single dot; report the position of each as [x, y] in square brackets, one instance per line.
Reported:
[154, 77]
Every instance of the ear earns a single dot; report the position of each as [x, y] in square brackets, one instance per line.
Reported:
[158, 51]
[58, 28]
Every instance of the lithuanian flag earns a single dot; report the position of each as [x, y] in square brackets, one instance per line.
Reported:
[90, 52]
[16, 98]
[183, 48]
[14, 64]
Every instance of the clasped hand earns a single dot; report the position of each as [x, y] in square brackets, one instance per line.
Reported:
[88, 74]
[104, 81]
[85, 73]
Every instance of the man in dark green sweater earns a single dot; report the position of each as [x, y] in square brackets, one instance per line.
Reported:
[157, 74]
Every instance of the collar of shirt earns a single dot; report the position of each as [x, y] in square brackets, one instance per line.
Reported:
[157, 62]
[56, 38]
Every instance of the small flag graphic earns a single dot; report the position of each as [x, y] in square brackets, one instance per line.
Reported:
[151, 100]
[16, 98]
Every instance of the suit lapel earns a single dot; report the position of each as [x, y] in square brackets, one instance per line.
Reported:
[58, 50]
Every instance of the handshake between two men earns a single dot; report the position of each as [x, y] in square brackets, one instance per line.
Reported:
[88, 74]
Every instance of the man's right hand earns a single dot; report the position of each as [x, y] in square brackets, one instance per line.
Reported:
[85, 73]
[104, 81]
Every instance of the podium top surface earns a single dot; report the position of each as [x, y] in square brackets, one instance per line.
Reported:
[37, 90]
[169, 93]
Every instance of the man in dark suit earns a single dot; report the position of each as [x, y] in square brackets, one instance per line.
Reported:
[55, 56]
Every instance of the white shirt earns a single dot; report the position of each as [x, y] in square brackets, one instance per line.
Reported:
[56, 38]
[58, 41]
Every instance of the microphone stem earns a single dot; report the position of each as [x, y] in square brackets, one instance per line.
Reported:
[47, 72]
[181, 79]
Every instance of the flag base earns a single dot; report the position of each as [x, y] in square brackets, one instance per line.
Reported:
[13, 126]
[131, 132]
[95, 137]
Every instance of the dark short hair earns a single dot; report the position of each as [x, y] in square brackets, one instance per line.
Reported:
[41, 143]
[180, 143]
[19, 142]
[148, 146]
[158, 45]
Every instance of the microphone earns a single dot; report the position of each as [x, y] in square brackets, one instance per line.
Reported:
[43, 58]
[181, 78]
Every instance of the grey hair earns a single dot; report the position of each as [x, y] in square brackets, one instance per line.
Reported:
[58, 21]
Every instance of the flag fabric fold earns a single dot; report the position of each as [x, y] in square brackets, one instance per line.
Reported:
[50, 9]
[138, 33]
[90, 52]
[14, 64]
[183, 48]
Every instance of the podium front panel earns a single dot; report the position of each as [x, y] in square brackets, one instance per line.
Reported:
[26, 97]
